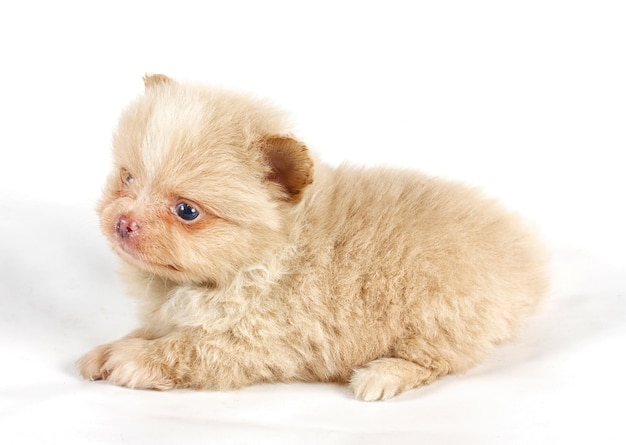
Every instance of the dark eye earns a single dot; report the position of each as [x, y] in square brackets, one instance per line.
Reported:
[186, 212]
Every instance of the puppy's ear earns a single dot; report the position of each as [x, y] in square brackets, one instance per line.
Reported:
[150, 80]
[292, 168]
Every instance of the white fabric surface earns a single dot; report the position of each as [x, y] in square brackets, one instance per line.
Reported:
[561, 382]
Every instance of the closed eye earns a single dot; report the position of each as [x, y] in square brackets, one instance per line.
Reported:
[126, 177]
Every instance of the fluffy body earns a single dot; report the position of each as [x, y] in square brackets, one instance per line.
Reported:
[381, 278]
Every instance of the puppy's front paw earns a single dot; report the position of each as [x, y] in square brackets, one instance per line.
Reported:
[91, 364]
[128, 362]
[131, 363]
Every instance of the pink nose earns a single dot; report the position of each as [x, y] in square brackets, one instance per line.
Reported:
[126, 226]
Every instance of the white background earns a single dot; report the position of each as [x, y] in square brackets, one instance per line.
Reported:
[526, 99]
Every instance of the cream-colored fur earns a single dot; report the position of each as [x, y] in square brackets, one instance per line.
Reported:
[385, 279]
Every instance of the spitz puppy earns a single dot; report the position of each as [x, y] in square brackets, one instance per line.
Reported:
[255, 263]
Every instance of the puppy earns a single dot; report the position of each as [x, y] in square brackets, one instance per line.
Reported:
[254, 264]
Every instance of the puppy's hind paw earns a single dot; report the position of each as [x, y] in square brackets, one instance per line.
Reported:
[384, 378]
[372, 383]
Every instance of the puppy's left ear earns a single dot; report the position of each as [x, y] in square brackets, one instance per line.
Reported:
[150, 80]
[291, 166]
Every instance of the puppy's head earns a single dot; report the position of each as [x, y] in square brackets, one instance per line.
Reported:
[202, 182]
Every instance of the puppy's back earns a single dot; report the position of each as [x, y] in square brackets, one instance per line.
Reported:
[422, 254]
